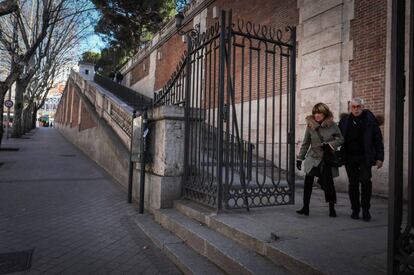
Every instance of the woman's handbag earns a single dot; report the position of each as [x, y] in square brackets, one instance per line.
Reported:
[336, 157]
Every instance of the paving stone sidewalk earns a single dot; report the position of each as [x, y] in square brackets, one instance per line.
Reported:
[53, 199]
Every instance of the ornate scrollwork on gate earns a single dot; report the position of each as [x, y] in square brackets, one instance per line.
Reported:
[264, 32]
[200, 39]
[406, 251]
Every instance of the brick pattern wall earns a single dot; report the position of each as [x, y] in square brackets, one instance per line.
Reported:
[69, 105]
[140, 71]
[274, 13]
[75, 110]
[367, 69]
[171, 52]
[87, 121]
[65, 113]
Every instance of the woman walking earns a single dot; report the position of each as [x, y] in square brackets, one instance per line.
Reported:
[322, 138]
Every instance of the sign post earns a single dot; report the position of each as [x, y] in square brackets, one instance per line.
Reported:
[8, 103]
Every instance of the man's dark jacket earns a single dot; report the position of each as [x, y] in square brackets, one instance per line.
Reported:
[372, 137]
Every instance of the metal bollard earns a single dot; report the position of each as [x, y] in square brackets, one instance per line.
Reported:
[131, 163]
[144, 133]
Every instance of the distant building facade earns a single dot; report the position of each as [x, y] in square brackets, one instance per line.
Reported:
[87, 70]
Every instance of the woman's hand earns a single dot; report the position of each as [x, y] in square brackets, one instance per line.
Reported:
[299, 164]
[327, 147]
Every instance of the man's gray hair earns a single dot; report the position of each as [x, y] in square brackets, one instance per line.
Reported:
[358, 100]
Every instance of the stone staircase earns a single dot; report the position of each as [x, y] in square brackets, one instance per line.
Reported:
[198, 242]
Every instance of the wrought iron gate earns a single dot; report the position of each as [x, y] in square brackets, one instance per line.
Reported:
[237, 83]
[400, 226]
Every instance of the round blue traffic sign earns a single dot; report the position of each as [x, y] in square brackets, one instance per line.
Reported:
[8, 103]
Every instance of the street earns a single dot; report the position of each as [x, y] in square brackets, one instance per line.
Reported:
[58, 203]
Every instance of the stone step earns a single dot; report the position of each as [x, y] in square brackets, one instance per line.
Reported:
[226, 253]
[256, 239]
[184, 257]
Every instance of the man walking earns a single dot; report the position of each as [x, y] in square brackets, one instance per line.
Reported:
[363, 148]
[119, 77]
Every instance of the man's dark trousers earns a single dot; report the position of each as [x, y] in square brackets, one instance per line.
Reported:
[359, 172]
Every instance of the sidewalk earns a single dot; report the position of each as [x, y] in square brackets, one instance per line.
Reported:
[338, 245]
[54, 200]
[317, 244]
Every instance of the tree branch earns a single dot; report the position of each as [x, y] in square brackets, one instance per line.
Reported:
[8, 6]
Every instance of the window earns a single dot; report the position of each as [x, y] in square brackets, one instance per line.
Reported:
[86, 71]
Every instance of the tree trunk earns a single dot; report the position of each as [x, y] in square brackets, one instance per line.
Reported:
[18, 110]
[29, 119]
[3, 90]
[26, 120]
[34, 117]
[1, 118]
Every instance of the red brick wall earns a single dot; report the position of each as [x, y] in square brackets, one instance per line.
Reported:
[140, 71]
[86, 119]
[75, 110]
[274, 13]
[69, 105]
[171, 51]
[367, 69]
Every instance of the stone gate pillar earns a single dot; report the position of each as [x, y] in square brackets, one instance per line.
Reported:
[165, 164]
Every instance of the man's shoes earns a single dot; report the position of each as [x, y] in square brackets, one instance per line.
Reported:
[366, 216]
[303, 211]
[355, 215]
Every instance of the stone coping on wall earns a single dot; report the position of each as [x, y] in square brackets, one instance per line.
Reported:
[115, 100]
[105, 103]
[167, 112]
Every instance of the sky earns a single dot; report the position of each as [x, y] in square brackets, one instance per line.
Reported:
[92, 43]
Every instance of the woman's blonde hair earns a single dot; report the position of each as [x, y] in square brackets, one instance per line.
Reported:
[322, 108]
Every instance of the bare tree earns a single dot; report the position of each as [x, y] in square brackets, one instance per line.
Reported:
[39, 25]
[59, 52]
[8, 6]
[59, 55]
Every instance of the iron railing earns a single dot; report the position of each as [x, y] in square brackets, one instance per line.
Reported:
[130, 97]
[173, 92]
[121, 118]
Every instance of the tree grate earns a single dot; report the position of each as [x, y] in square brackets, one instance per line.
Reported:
[15, 261]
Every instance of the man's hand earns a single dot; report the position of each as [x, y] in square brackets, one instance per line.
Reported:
[379, 164]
